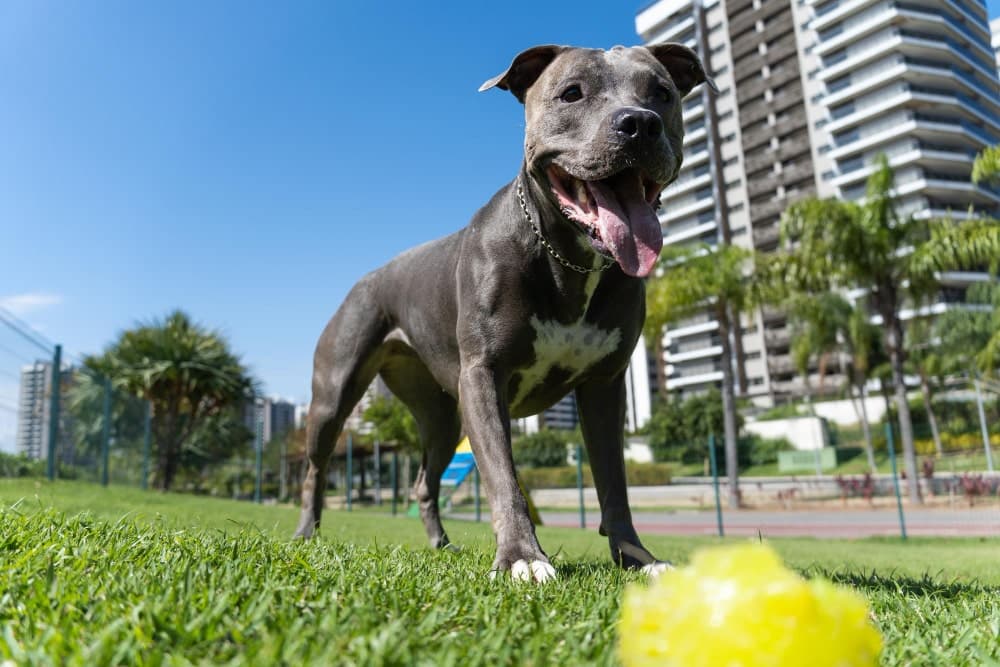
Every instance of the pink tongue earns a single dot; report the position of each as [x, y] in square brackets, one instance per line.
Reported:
[629, 226]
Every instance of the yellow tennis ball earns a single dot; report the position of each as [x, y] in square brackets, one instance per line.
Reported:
[738, 606]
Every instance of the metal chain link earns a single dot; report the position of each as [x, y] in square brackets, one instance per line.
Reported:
[548, 246]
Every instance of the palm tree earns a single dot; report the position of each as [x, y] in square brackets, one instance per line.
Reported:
[898, 259]
[927, 362]
[190, 377]
[986, 168]
[690, 279]
[827, 324]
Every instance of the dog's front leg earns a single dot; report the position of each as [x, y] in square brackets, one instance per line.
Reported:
[601, 405]
[484, 412]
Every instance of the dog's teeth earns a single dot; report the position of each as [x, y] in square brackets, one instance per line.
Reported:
[581, 192]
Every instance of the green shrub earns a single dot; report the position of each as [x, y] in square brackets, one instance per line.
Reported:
[678, 429]
[564, 477]
[19, 465]
[543, 449]
[755, 450]
[780, 412]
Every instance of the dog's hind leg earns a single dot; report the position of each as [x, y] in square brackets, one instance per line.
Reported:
[438, 423]
[346, 360]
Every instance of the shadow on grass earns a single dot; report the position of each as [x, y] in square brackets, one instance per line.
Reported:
[925, 586]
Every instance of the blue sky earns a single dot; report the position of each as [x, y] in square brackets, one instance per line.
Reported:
[247, 161]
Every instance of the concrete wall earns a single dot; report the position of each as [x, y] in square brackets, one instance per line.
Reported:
[802, 432]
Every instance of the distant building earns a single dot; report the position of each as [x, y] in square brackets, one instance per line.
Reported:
[355, 421]
[811, 92]
[276, 416]
[995, 31]
[33, 411]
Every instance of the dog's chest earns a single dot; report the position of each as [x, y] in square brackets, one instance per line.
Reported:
[561, 354]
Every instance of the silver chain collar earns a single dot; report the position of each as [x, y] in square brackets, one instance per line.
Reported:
[548, 246]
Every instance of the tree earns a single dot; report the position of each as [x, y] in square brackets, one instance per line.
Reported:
[986, 168]
[678, 428]
[897, 259]
[927, 362]
[86, 405]
[690, 279]
[544, 449]
[827, 324]
[970, 336]
[392, 422]
[193, 381]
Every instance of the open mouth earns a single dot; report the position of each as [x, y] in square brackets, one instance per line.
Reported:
[618, 213]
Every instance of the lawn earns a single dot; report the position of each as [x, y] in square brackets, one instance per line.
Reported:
[112, 576]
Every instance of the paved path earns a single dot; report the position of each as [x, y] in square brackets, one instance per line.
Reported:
[975, 522]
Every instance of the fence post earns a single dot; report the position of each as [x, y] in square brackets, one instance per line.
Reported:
[579, 485]
[106, 433]
[378, 473]
[147, 444]
[54, 400]
[982, 425]
[715, 483]
[475, 479]
[350, 469]
[394, 479]
[895, 478]
[258, 442]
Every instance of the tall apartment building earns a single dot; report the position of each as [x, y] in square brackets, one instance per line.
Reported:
[276, 416]
[811, 91]
[33, 411]
[995, 30]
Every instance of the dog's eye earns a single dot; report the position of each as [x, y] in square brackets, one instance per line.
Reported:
[664, 93]
[571, 94]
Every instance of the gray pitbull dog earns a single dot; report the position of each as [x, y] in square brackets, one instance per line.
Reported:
[541, 294]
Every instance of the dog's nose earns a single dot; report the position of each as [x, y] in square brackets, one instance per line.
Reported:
[633, 124]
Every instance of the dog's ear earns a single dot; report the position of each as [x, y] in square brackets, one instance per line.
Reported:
[524, 70]
[683, 64]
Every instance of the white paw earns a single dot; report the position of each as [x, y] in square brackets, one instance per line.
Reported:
[656, 568]
[536, 570]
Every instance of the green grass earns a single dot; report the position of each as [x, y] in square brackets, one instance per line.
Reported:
[150, 579]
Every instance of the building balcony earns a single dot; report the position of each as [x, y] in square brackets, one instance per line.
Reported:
[941, 187]
[691, 380]
[670, 31]
[936, 131]
[838, 11]
[695, 135]
[694, 111]
[673, 333]
[693, 208]
[914, 44]
[685, 184]
[695, 159]
[900, 14]
[687, 233]
[701, 353]
[917, 98]
[942, 158]
[775, 26]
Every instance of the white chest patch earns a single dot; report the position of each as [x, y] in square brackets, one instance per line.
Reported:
[570, 347]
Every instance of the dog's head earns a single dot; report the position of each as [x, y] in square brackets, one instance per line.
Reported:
[603, 133]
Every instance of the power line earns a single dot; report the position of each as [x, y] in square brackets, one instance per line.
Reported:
[15, 354]
[8, 408]
[14, 325]
[25, 325]
[9, 375]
